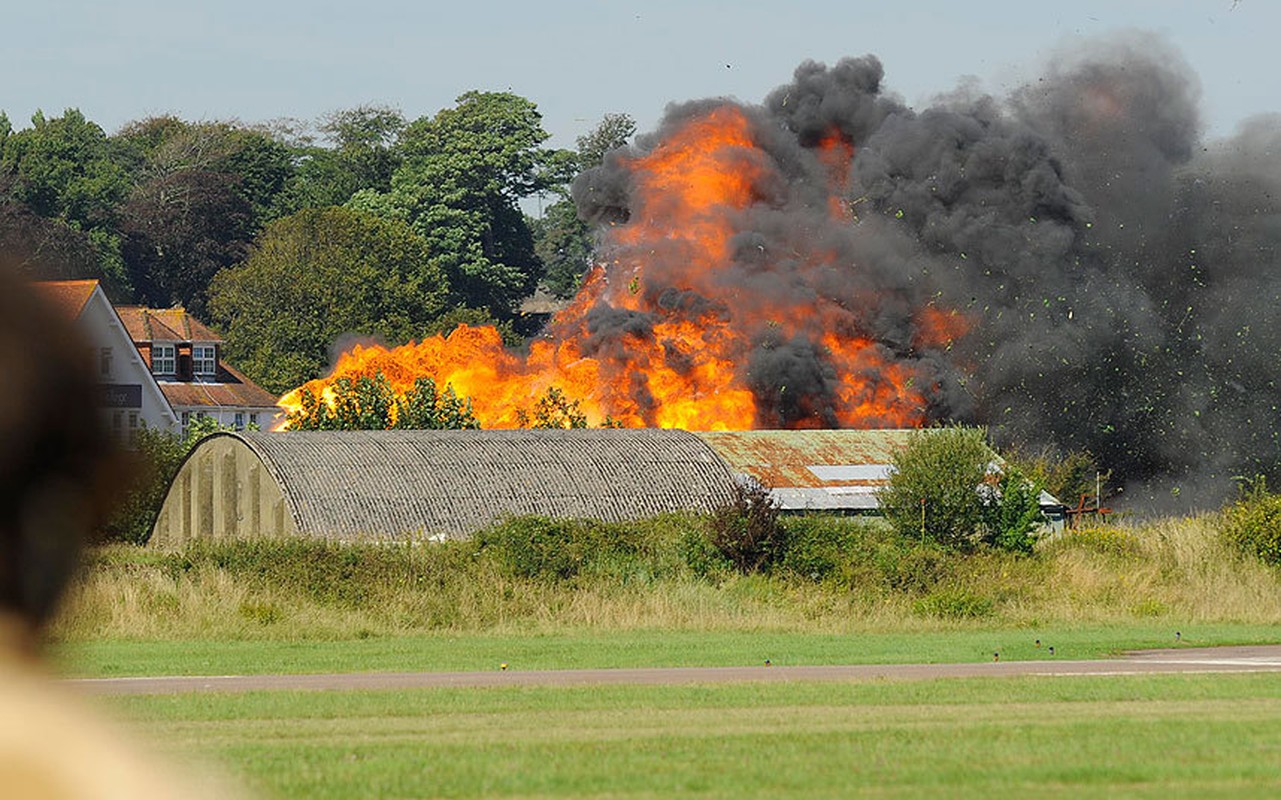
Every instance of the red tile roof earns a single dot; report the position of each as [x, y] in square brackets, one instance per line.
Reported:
[230, 389]
[68, 297]
[164, 325]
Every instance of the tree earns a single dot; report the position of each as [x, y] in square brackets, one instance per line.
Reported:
[611, 133]
[933, 490]
[156, 456]
[261, 164]
[65, 168]
[315, 276]
[943, 487]
[554, 409]
[371, 404]
[562, 240]
[45, 249]
[361, 156]
[464, 170]
[179, 230]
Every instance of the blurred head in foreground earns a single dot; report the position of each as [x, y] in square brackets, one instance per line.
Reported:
[58, 467]
[57, 461]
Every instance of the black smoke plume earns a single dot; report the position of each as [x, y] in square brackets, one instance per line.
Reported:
[1122, 272]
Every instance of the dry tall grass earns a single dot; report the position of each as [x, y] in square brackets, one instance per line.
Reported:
[1177, 569]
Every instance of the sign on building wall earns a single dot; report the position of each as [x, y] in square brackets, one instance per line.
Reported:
[119, 395]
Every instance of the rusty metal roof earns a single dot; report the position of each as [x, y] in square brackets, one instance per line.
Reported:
[783, 459]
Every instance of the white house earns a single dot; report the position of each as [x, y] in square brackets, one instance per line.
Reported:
[129, 396]
[185, 358]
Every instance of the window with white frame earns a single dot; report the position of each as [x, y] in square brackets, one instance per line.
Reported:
[163, 359]
[204, 359]
[240, 420]
[104, 362]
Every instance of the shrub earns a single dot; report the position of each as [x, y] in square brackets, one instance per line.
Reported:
[747, 532]
[540, 547]
[1066, 475]
[1011, 511]
[942, 489]
[954, 603]
[819, 548]
[932, 492]
[1252, 522]
[1105, 540]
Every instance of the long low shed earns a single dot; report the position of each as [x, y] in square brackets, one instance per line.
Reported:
[396, 484]
[400, 484]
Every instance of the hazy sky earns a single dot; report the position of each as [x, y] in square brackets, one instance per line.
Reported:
[260, 59]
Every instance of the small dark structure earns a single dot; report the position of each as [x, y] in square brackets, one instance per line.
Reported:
[394, 485]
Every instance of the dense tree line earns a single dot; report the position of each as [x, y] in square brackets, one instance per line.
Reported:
[287, 236]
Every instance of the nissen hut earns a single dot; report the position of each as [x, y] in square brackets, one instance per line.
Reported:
[400, 484]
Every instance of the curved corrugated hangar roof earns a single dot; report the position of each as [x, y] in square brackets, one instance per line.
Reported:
[395, 484]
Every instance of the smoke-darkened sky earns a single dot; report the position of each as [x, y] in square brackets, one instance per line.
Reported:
[578, 59]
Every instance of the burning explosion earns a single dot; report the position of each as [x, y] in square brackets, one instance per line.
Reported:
[1070, 265]
[694, 320]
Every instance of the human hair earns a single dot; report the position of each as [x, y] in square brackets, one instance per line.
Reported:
[58, 464]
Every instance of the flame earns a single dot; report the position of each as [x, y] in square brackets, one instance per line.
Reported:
[683, 315]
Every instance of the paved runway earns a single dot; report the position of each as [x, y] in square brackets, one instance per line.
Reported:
[1264, 658]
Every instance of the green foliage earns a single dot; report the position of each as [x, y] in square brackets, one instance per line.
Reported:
[330, 573]
[1252, 522]
[1012, 511]
[371, 404]
[863, 554]
[819, 547]
[612, 132]
[180, 230]
[554, 409]
[747, 531]
[362, 157]
[932, 492]
[563, 243]
[562, 240]
[546, 549]
[66, 168]
[943, 489]
[155, 461]
[1106, 540]
[314, 277]
[1068, 476]
[954, 603]
[475, 317]
[462, 174]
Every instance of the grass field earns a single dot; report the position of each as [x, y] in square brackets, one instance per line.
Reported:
[1150, 736]
[648, 648]
[636, 596]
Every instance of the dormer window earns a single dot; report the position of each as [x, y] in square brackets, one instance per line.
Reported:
[204, 360]
[163, 359]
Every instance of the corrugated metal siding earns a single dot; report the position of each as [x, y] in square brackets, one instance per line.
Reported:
[389, 483]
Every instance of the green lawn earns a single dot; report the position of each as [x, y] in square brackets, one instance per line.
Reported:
[1141, 736]
[631, 649]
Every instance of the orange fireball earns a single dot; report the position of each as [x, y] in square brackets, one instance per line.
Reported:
[683, 323]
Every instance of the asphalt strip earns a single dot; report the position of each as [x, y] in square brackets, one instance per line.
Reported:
[1265, 658]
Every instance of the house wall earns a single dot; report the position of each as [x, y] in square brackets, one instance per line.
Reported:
[130, 396]
[225, 416]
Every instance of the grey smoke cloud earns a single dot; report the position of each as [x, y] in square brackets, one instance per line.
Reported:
[1122, 274]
